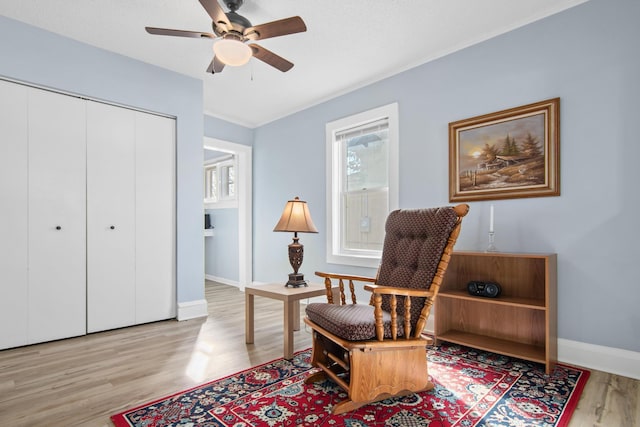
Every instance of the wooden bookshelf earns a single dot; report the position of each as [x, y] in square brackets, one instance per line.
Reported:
[521, 322]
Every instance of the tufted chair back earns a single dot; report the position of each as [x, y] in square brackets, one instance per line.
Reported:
[413, 245]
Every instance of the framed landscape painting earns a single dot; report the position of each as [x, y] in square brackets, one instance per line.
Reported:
[508, 154]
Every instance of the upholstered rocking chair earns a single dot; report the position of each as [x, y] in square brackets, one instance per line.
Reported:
[378, 350]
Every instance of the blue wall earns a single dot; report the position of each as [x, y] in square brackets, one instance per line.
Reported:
[38, 57]
[221, 250]
[230, 132]
[589, 57]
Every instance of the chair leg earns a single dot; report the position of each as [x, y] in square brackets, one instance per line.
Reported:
[347, 406]
[320, 358]
[316, 377]
[318, 352]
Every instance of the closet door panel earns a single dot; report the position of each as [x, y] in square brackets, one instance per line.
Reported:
[13, 215]
[155, 218]
[57, 221]
[110, 217]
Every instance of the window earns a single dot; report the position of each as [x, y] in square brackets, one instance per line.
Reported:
[220, 180]
[362, 187]
[211, 183]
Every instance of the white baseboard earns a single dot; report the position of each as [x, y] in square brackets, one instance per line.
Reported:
[608, 359]
[222, 280]
[192, 309]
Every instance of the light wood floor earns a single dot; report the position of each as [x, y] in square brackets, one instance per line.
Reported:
[82, 381]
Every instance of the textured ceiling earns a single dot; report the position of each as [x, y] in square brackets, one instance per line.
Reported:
[348, 44]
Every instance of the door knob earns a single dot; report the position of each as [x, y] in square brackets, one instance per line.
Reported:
[113, 227]
[58, 227]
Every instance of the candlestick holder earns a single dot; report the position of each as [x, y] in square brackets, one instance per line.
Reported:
[492, 246]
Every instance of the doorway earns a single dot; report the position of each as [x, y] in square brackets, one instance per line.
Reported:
[243, 155]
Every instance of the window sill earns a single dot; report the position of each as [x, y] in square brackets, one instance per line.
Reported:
[224, 204]
[353, 260]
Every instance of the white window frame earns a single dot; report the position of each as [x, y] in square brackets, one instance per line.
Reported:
[335, 253]
[223, 200]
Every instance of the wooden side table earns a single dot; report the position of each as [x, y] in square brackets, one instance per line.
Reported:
[290, 297]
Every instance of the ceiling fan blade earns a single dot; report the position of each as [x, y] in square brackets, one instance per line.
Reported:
[281, 27]
[216, 66]
[178, 33]
[216, 13]
[270, 58]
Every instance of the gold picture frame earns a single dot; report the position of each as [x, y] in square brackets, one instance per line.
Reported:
[508, 154]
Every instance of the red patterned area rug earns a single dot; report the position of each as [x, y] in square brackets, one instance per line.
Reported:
[472, 388]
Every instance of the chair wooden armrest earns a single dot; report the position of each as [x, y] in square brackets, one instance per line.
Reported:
[346, 277]
[390, 290]
[328, 277]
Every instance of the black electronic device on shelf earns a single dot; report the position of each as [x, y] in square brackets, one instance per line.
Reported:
[483, 289]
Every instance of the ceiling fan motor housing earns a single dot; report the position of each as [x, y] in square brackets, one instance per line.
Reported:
[238, 22]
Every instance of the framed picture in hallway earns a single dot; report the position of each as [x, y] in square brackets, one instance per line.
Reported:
[508, 154]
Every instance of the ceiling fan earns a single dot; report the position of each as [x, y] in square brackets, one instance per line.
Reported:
[234, 31]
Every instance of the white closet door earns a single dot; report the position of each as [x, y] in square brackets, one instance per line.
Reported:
[110, 217]
[155, 218]
[57, 222]
[13, 215]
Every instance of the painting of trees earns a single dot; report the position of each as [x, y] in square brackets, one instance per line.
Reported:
[505, 153]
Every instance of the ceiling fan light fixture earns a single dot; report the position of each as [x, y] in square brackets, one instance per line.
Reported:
[234, 32]
[232, 52]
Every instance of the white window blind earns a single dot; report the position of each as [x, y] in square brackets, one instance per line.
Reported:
[363, 153]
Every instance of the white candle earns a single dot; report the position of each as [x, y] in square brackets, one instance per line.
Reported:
[491, 220]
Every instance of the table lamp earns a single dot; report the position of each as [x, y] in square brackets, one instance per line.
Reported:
[297, 219]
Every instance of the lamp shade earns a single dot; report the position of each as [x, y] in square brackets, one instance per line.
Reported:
[296, 218]
[232, 52]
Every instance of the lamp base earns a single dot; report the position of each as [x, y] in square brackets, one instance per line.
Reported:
[296, 280]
